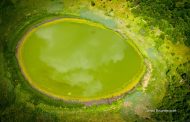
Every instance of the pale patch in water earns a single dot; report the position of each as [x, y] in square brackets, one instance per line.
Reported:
[77, 78]
[87, 55]
[92, 88]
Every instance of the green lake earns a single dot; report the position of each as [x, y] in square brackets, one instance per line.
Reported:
[76, 59]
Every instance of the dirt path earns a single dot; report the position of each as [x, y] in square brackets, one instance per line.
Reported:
[147, 75]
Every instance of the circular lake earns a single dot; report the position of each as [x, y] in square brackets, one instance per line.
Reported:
[75, 59]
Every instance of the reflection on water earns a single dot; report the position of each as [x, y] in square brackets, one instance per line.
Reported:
[87, 50]
[68, 53]
[92, 88]
[80, 60]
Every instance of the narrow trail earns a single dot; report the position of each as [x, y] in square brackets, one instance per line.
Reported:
[147, 75]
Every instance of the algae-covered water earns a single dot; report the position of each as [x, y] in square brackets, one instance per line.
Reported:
[78, 59]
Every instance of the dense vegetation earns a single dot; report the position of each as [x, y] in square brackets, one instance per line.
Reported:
[159, 12]
[177, 14]
[19, 102]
